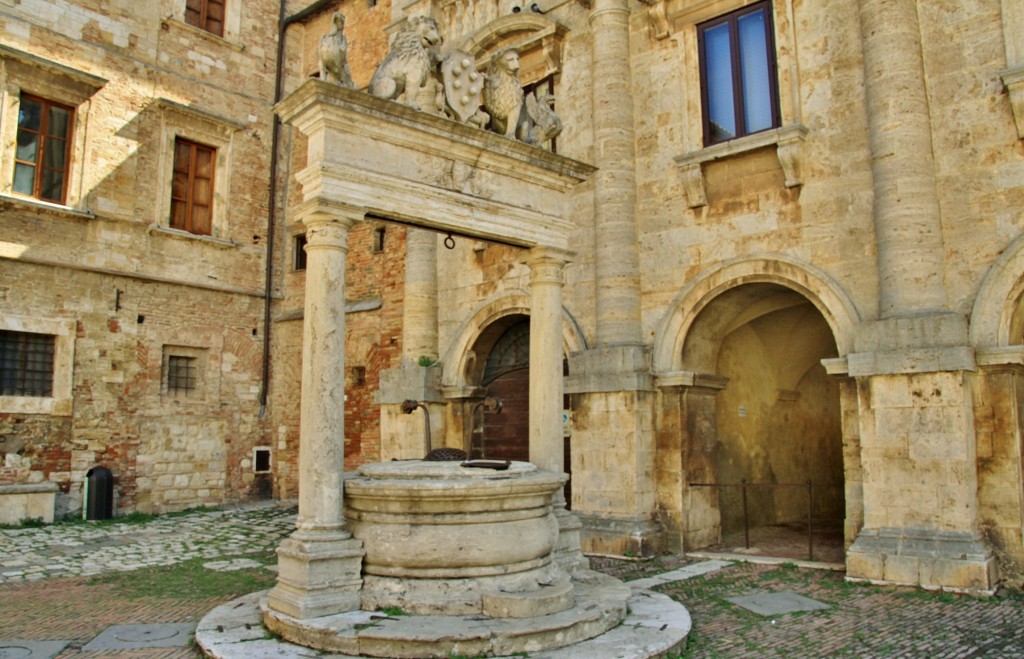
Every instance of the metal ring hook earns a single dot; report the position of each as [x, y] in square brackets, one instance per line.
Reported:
[449, 242]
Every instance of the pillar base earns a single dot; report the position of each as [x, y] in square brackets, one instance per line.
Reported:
[318, 574]
[568, 553]
[951, 560]
[620, 536]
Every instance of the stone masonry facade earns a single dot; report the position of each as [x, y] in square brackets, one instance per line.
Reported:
[833, 298]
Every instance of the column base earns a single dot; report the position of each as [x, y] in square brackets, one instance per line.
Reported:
[951, 560]
[620, 536]
[318, 574]
[568, 554]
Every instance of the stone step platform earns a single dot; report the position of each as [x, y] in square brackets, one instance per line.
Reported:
[609, 620]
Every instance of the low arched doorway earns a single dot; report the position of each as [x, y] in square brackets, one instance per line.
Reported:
[777, 420]
[505, 376]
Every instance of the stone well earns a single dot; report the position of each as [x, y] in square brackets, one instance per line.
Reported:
[443, 539]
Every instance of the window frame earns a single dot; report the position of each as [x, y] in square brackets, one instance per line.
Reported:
[29, 345]
[195, 125]
[731, 19]
[193, 180]
[22, 73]
[199, 361]
[43, 138]
[203, 20]
[59, 402]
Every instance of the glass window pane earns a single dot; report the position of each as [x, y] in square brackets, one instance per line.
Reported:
[28, 145]
[718, 65]
[24, 179]
[55, 153]
[30, 114]
[754, 72]
[60, 122]
[52, 186]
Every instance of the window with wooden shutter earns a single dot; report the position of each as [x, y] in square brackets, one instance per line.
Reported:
[42, 157]
[206, 14]
[192, 187]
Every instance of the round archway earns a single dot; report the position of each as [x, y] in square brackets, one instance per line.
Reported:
[778, 418]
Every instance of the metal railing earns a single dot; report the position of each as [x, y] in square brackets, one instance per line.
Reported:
[744, 486]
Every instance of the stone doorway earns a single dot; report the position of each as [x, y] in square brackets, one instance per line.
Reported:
[777, 420]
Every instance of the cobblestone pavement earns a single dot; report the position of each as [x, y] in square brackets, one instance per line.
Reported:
[56, 584]
[87, 549]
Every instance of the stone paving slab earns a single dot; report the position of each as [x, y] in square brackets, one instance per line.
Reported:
[142, 636]
[26, 649]
[776, 604]
[686, 572]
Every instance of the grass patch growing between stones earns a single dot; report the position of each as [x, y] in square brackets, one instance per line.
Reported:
[190, 580]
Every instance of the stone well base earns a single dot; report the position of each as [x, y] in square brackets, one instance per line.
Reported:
[651, 626]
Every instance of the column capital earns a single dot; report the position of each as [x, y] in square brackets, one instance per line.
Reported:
[320, 210]
[547, 264]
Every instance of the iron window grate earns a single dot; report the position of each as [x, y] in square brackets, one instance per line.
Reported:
[182, 375]
[26, 363]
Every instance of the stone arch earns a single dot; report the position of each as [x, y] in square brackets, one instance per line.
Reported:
[804, 279]
[538, 39]
[459, 357]
[995, 318]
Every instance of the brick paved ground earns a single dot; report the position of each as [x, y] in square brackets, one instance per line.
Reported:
[861, 621]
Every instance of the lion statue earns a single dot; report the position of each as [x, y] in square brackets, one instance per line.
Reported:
[333, 54]
[503, 95]
[408, 65]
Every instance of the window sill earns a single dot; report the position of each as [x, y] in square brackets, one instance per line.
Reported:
[1013, 80]
[223, 243]
[787, 140]
[8, 201]
[203, 34]
[35, 405]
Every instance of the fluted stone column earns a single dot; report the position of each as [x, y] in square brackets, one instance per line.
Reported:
[320, 563]
[547, 267]
[618, 262]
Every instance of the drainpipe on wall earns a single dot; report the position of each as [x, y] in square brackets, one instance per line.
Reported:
[283, 24]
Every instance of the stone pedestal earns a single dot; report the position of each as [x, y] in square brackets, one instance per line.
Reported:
[318, 574]
[613, 432]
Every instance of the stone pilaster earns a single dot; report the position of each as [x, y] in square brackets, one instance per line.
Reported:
[913, 365]
[319, 564]
[547, 267]
[686, 437]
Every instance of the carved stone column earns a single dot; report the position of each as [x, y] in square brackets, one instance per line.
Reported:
[547, 266]
[403, 435]
[419, 306]
[909, 234]
[618, 262]
[320, 563]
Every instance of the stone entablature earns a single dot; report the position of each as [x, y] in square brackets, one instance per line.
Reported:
[396, 163]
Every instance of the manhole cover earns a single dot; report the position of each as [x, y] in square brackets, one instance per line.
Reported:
[146, 635]
[24, 649]
[132, 637]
